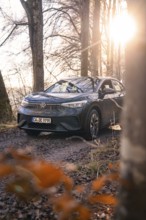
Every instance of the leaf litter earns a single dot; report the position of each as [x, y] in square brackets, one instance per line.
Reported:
[83, 162]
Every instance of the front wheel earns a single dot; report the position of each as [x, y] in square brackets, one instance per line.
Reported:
[92, 125]
[32, 132]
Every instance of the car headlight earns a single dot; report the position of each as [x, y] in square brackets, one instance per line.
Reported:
[24, 103]
[77, 104]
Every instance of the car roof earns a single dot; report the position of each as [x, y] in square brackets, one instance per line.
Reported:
[100, 78]
[86, 77]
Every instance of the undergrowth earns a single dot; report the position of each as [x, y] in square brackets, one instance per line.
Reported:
[8, 125]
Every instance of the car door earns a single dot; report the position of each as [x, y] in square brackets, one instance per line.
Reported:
[107, 105]
[118, 98]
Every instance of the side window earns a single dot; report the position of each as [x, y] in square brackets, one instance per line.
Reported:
[106, 85]
[117, 86]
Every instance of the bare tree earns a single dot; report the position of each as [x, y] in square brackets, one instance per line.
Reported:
[74, 40]
[133, 151]
[108, 38]
[5, 107]
[112, 44]
[96, 41]
[34, 13]
[62, 38]
[84, 37]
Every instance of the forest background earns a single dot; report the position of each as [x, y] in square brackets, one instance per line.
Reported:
[78, 37]
[73, 38]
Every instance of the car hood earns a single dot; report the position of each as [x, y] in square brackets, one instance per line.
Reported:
[55, 97]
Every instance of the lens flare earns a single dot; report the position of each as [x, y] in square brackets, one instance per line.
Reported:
[122, 29]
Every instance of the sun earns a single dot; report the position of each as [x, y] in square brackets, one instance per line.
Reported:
[122, 29]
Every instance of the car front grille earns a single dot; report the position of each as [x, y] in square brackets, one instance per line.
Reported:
[43, 106]
[50, 110]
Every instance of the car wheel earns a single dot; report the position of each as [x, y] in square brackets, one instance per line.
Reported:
[32, 132]
[92, 125]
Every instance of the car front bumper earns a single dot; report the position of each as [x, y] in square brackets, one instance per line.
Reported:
[69, 121]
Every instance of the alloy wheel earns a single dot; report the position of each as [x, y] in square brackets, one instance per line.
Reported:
[94, 125]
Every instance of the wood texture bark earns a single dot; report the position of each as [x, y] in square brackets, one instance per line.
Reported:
[5, 107]
[132, 204]
[84, 37]
[34, 13]
[95, 49]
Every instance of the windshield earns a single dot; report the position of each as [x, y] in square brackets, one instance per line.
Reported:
[63, 87]
[75, 85]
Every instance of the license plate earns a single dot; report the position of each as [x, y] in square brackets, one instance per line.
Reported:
[41, 120]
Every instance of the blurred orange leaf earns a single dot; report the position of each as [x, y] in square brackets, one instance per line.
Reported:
[5, 170]
[98, 183]
[68, 182]
[22, 187]
[10, 154]
[114, 166]
[84, 213]
[80, 188]
[66, 205]
[47, 173]
[21, 156]
[114, 176]
[104, 199]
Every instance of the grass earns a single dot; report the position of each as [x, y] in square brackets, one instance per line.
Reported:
[7, 125]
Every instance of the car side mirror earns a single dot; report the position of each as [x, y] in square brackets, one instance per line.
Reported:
[106, 91]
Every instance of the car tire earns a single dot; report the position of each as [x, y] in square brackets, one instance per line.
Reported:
[32, 132]
[92, 125]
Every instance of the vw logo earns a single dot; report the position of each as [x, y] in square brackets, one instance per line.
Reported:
[43, 105]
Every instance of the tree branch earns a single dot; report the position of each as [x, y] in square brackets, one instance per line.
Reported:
[13, 29]
[70, 18]
[8, 35]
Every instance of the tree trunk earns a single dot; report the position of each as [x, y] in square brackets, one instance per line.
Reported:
[112, 43]
[109, 39]
[34, 13]
[84, 37]
[95, 50]
[5, 107]
[118, 68]
[132, 204]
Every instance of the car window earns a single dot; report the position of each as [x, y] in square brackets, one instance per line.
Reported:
[117, 86]
[75, 85]
[85, 84]
[106, 85]
[63, 87]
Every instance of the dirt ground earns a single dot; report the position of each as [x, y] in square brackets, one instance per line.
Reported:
[61, 149]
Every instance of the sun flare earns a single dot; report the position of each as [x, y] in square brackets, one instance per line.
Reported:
[122, 29]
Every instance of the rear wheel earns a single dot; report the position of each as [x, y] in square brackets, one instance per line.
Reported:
[32, 132]
[92, 125]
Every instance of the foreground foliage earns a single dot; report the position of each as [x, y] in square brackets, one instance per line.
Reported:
[31, 177]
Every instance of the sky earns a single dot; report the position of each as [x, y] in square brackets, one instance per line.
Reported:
[10, 52]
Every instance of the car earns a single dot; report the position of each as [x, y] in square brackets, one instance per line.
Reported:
[77, 104]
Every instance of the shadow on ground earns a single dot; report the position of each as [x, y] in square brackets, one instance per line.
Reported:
[104, 133]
